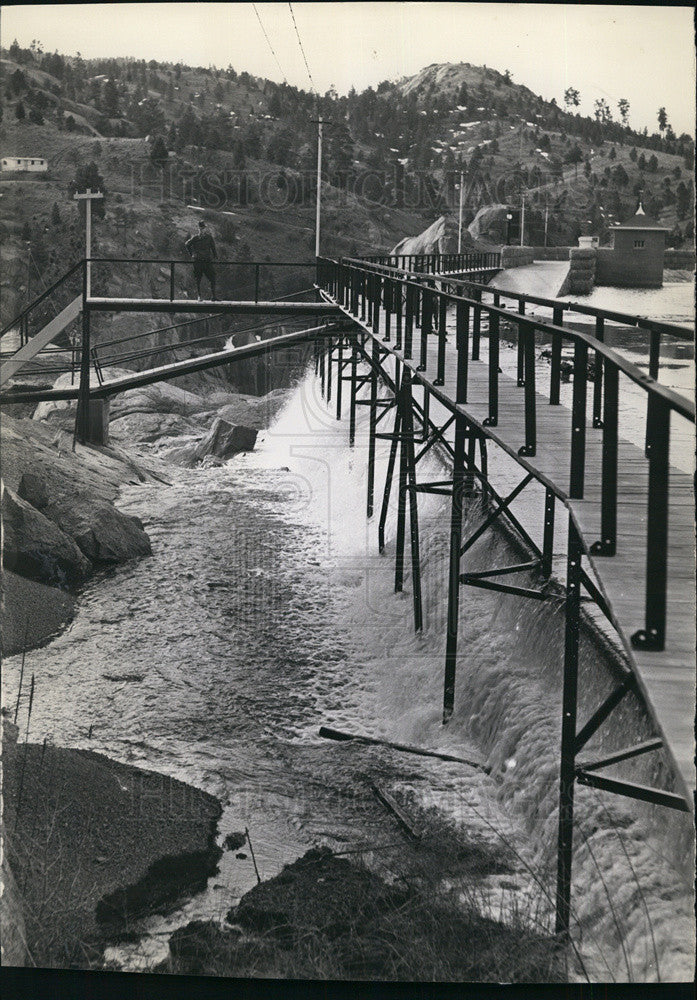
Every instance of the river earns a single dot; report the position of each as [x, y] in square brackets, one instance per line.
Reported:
[266, 611]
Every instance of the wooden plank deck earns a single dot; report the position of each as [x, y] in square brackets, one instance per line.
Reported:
[666, 678]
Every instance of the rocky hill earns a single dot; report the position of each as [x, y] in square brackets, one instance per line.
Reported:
[169, 142]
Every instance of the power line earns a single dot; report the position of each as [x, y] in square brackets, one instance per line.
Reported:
[261, 24]
[312, 82]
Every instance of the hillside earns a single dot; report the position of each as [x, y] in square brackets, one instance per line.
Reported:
[161, 137]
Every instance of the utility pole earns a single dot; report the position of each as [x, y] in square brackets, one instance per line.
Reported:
[88, 197]
[522, 220]
[319, 182]
[459, 229]
[546, 217]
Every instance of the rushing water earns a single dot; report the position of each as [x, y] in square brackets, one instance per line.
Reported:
[266, 611]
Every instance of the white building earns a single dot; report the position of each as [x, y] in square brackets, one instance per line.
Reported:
[31, 164]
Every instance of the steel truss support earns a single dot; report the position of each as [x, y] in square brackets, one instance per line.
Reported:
[568, 730]
[407, 490]
[372, 427]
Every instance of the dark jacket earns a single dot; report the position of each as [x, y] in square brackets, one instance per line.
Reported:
[201, 247]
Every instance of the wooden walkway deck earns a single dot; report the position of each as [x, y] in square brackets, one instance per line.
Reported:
[666, 678]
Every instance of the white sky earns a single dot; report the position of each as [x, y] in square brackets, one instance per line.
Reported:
[643, 53]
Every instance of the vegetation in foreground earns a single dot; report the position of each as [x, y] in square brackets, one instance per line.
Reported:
[327, 917]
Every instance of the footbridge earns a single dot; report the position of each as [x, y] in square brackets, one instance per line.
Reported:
[428, 339]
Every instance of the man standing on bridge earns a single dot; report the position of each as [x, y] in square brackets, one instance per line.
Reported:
[201, 247]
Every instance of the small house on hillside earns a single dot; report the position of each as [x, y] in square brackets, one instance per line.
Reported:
[25, 164]
[636, 258]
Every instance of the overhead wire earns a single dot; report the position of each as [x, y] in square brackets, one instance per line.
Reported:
[268, 41]
[297, 34]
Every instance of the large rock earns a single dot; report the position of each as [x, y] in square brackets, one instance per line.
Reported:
[103, 534]
[35, 547]
[149, 426]
[222, 441]
[254, 411]
[159, 398]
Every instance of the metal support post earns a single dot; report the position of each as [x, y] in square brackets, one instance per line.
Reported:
[476, 326]
[82, 416]
[339, 377]
[454, 570]
[555, 373]
[442, 332]
[352, 408]
[548, 534]
[578, 422]
[372, 425]
[408, 447]
[394, 444]
[652, 636]
[426, 327]
[527, 331]
[568, 731]
[520, 351]
[402, 492]
[598, 375]
[330, 352]
[493, 418]
[607, 544]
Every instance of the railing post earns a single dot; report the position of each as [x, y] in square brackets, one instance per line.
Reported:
[527, 331]
[408, 446]
[578, 422]
[652, 636]
[598, 375]
[493, 418]
[256, 282]
[654, 359]
[397, 297]
[352, 405]
[388, 297]
[520, 349]
[607, 544]
[82, 416]
[339, 376]
[555, 374]
[442, 314]
[426, 327]
[372, 426]
[548, 534]
[171, 280]
[402, 491]
[476, 325]
[568, 731]
[409, 322]
[456, 514]
[462, 331]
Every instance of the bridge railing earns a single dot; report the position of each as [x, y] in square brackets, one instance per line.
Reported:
[413, 310]
[46, 305]
[171, 279]
[439, 263]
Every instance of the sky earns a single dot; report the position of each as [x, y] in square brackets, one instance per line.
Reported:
[642, 53]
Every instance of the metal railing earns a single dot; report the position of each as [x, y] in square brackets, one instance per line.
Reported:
[373, 292]
[34, 316]
[438, 263]
[248, 279]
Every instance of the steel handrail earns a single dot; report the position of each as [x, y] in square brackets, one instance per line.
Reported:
[609, 314]
[44, 295]
[680, 404]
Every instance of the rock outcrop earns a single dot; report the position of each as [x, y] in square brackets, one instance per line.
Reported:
[222, 441]
[103, 534]
[35, 547]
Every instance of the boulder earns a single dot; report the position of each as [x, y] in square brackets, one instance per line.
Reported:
[33, 489]
[163, 397]
[35, 547]
[149, 426]
[225, 440]
[222, 441]
[103, 534]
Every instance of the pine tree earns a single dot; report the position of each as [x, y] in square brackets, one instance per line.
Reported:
[20, 113]
[55, 214]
